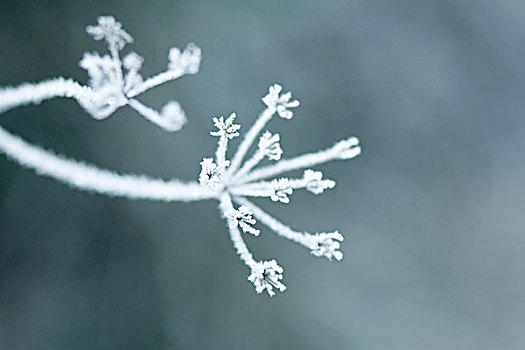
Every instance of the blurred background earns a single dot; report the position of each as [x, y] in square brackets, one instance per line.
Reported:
[432, 211]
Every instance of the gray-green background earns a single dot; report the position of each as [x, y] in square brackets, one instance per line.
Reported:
[432, 211]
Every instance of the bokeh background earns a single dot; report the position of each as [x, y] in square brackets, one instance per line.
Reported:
[432, 212]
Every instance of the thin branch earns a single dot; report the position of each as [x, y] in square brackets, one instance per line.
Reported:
[88, 177]
[235, 235]
[158, 79]
[249, 138]
[28, 93]
[279, 228]
[345, 149]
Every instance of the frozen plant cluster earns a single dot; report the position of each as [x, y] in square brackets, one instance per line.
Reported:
[231, 181]
[113, 82]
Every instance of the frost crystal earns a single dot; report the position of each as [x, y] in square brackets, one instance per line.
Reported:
[281, 190]
[114, 83]
[187, 61]
[133, 61]
[280, 102]
[174, 116]
[110, 30]
[269, 144]
[211, 173]
[327, 244]
[242, 217]
[267, 275]
[226, 128]
[315, 183]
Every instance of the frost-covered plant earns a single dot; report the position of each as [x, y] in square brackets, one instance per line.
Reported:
[115, 83]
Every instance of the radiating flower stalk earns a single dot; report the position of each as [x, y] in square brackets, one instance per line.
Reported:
[115, 83]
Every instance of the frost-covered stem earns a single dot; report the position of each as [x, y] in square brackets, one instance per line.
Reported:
[158, 79]
[116, 59]
[250, 136]
[12, 97]
[251, 191]
[279, 228]
[346, 149]
[151, 115]
[222, 145]
[249, 164]
[265, 185]
[235, 234]
[87, 177]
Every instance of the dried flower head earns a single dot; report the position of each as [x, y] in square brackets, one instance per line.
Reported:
[226, 127]
[109, 29]
[327, 244]
[267, 275]
[281, 102]
[242, 217]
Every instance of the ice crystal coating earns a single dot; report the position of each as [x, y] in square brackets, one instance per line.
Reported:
[242, 217]
[281, 190]
[269, 145]
[174, 115]
[114, 83]
[327, 244]
[242, 180]
[267, 275]
[187, 61]
[133, 61]
[315, 183]
[226, 127]
[281, 103]
[109, 29]
[347, 149]
[211, 173]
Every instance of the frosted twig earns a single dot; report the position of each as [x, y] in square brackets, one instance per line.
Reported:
[345, 149]
[226, 130]
[320, 244]
[250, 136]
[275, 102]
[27, 93]
[87, 177]
[268, 146]
[235, 235]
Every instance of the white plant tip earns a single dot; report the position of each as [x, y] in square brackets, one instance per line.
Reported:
[133, 61]
[269, 144]
[347, 149]
[280, 102]
[187, 61]
[174, 116]
[267, 275]
[315, 183]
[327, 245]
[226, 128]
[281, 190]
[115, 83]
[109, 29]
[211, 173]
[242, 217]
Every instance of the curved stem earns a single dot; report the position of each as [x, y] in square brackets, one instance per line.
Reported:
[25, 94]
[77, 174]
